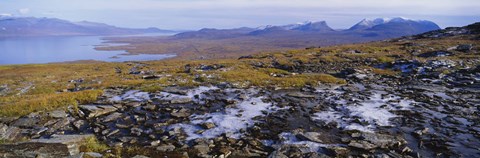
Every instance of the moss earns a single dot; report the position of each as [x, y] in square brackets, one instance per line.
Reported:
[91, 144]
[384, 59]
[385, 72]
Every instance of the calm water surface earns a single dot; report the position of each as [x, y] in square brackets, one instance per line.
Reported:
[32, 50]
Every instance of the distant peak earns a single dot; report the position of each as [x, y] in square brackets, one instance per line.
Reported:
[306, 25]
[368, 23]
[387, 20]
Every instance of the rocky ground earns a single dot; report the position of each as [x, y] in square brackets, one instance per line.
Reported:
[424, 111]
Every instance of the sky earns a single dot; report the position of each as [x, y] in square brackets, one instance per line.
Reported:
[197, 14]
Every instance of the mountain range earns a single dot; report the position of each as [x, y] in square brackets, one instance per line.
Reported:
[382, 28]
[224, 43]
[31, 26]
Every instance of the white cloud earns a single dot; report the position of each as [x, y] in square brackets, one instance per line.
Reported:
[423, 7]
[24, 11]
[5, 14]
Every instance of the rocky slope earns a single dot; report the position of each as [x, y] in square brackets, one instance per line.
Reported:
[415, 96]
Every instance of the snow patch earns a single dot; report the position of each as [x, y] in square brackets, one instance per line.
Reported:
[136, 95]
[132, 95]
[287, 138]
[231, 121]
[196, 94]
[372, 112]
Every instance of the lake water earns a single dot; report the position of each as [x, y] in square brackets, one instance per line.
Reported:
[34, 50]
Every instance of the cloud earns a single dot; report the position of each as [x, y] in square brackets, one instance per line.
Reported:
[24, 11]
[49, 13]
[5, 14]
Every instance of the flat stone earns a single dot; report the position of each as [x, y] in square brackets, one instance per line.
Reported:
[9, 132]
[300, 95]
[57, 114]
[175, 90]
[26, 122]
[181, 100]
[149, 77]
[80, 125]
[112, 117]
[208, 125]
[93, 154]
[56, 146]
[362, 145]
[310, 136]
[182, 113]
[166, 147]
[464, 47]
[201, 148]
[97, 110]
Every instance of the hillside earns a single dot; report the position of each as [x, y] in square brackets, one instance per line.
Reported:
[30, 26]
[228, 43]
[414, 96]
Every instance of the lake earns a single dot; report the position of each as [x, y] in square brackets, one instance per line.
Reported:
[35, 50]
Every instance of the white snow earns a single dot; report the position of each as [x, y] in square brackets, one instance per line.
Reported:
[136, 95]
[374, 111]
[132, 95]
[231, 121]
[377, 21]
[371, 112]
[190, 94]
[287, 138]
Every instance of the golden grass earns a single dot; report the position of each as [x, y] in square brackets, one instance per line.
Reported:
[18, 106]
[91, 144]
[384, 72]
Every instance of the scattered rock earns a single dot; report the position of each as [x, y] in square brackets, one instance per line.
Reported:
[93, 154]
[435, 54]
[300, 95]
[96, 110]
[362, 145]
[182, 113]
[166, 148]
[26, 122]
[112, 117]
[310, 136]
[56, 146]
[57, 114]
[464, 47]
[149, 77]
[175, 90]
[208, 125]
[9, 133]
[181, 100]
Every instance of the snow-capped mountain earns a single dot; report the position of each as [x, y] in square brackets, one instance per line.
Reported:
[308, 26]
[303, 26]
[398, 22]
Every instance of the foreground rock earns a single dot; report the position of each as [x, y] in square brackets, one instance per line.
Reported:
[57, 146]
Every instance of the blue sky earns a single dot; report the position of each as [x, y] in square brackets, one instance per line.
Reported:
[196, 14]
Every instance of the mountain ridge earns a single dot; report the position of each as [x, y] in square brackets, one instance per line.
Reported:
[32, 26]
[384, 27]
